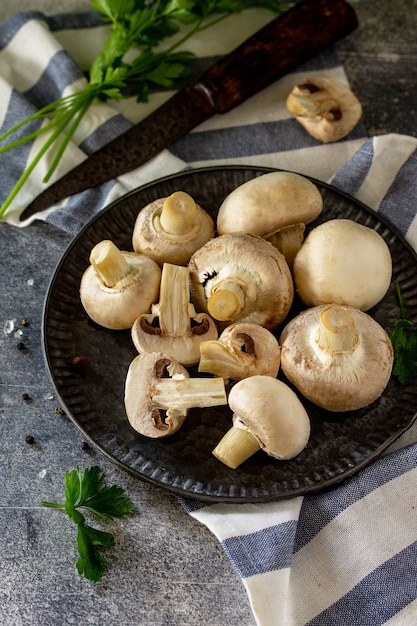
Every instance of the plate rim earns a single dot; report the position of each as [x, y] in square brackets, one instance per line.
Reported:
[179, 490]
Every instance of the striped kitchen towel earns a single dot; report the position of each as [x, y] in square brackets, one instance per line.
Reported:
[343, 557]
[346, 556]
[43, 58]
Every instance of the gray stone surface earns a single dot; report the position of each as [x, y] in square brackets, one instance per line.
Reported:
[167, 569]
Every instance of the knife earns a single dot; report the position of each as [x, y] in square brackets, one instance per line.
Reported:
[290, 39]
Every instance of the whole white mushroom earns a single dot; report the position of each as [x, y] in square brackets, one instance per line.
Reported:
[268, 416]
[343, 262]
[275, 206]
[338, 357]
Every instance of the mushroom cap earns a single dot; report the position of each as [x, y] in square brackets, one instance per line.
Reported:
[336, 381]
[325, 107]
[250, 262]
[117, 307]
[143, 415]
[269, 203]
[343, 262]
[273, 413]
[150, 239]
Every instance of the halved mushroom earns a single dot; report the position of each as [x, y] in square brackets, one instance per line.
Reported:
[159, 393]
[118, 286]
[170, 229]
[243, 349]
[343, 262]
[275, 206]
[338, 357]
[325, 107]
[267, 415]
[173, 326]
[241, 278]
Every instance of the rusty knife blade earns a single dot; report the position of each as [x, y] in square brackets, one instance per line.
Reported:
[290, 39]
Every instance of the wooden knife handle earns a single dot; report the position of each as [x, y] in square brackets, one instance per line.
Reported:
[290, 39]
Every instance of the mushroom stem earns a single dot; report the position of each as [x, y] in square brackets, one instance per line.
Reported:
[226, 301]
[288, 241]
[221, 361]
[174, 308]
[178, 213]
[337, 331]
[186, 393]
[236, 447]
[109, 263]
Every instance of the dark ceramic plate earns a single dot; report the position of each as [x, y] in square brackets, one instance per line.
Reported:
[340, 444]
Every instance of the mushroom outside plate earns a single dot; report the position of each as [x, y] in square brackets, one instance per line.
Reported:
[339, 445]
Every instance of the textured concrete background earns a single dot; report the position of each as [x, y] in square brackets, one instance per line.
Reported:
[167, 569]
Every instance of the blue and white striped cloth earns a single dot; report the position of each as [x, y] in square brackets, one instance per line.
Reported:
[42, 58]
[344, 557]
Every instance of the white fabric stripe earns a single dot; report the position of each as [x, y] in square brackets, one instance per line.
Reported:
[320, 162]
[214, 42]
[268, 596]
[137, 111]
[24, 59]
[405, 617]
[353, 544]
[83, 44]
[96, 115]
[232, 520]
[5, 93]
[412, 233]
[390, 152]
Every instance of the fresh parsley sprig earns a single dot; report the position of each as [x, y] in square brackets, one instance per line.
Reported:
[87, 490]
[404, 342]
[137, 27]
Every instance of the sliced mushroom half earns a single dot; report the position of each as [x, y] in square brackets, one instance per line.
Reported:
[325, 107]
[159, 393]
[243, 349]
[173, 326]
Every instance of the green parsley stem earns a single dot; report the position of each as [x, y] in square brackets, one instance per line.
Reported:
[42, 151]
[78, 114]
[53, 505]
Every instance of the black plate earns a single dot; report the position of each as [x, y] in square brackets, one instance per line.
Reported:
[340, 444]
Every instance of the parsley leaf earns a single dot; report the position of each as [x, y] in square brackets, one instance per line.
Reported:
[404, 342]
[91, 563]
[87, 490]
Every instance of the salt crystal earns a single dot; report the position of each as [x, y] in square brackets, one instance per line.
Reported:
[43, 474]
[8, 327]
[30, 282]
